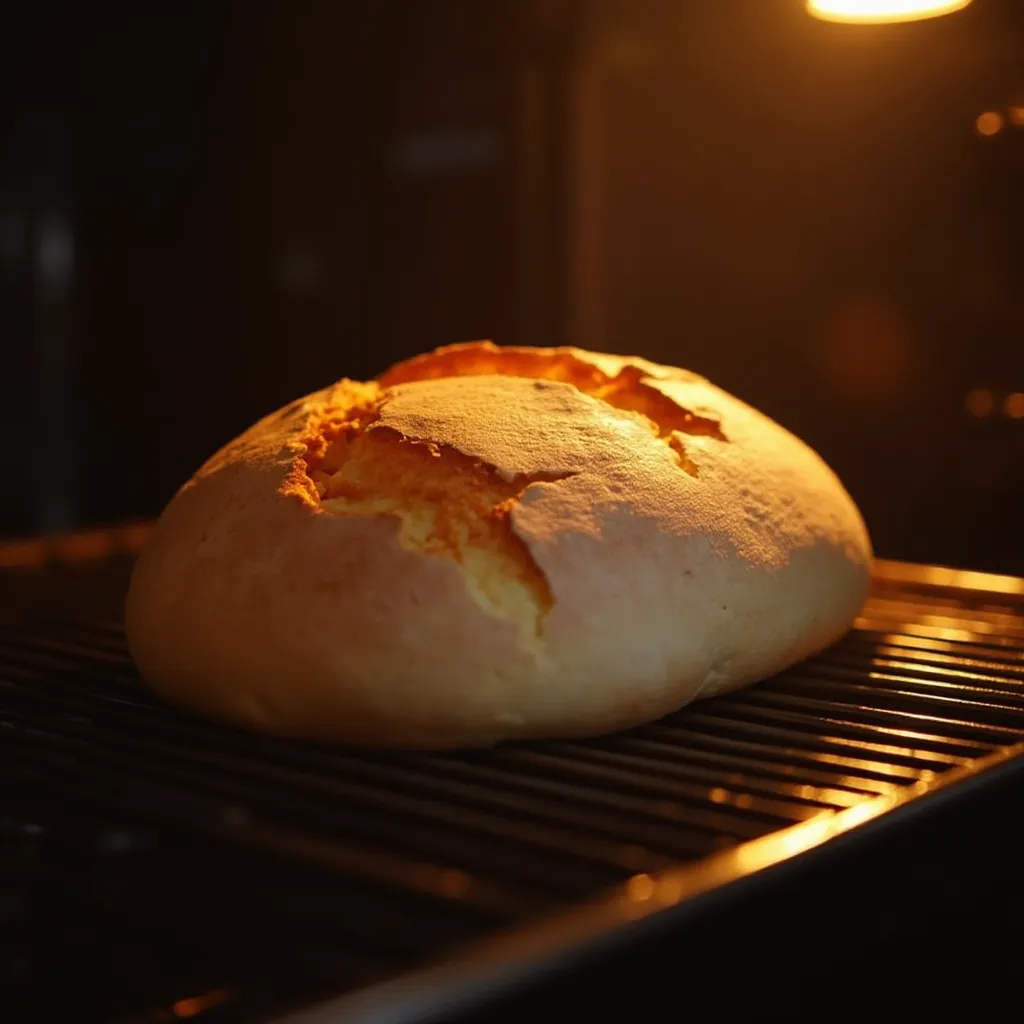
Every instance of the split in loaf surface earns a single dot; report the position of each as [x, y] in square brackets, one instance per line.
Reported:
[493, 543]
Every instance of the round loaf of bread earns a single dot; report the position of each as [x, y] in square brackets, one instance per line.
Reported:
[494, 543]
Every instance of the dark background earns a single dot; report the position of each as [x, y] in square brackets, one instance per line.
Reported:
[209, 208]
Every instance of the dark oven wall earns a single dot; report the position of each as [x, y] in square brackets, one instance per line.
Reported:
[208, 209]
[249, 201]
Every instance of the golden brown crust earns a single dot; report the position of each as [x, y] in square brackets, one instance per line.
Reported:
[493, 543]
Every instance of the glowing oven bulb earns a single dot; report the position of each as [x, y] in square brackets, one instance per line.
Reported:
[881, 11]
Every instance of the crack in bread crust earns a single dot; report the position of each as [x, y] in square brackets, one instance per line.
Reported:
[447, 503]
[454, 505]
[632, 388]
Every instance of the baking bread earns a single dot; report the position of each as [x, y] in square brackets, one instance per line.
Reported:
[493, 543]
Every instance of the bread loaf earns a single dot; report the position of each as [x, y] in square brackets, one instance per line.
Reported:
[494, 543]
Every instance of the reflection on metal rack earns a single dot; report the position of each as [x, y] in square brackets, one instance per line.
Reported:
[82, 546]
[156, 863]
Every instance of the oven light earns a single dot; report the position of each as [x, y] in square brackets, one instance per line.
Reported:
[989, 123]
[882, 11]
[1013, 405]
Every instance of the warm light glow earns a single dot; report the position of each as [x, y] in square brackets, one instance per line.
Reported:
[1013, 405]
[454, 883]
[1017, 116]
[878, 12]
[641, 887]
[989, 123]
[980, 402]
[185, 1008]
[23, 554]
[84, 547]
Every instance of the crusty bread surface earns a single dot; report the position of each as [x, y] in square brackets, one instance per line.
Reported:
[494, 543]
